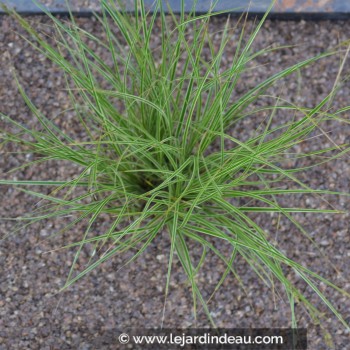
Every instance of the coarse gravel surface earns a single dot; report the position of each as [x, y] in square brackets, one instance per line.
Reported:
[34, 316]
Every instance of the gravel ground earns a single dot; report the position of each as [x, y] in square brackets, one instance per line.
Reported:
[34, 316]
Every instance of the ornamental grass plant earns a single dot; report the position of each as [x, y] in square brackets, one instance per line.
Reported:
[158, 154]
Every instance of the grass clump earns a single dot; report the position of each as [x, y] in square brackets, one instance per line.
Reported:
[158, 155]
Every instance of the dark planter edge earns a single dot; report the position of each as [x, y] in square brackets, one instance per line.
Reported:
[296, 16]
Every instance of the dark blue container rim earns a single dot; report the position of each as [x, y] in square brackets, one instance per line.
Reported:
[334, 10]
